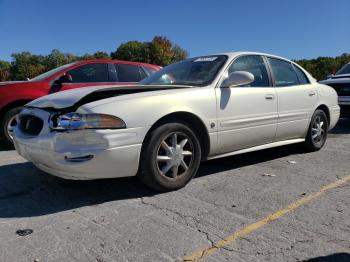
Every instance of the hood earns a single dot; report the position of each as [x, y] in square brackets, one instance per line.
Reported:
[337, 79]
[76, 97]
[12, 83]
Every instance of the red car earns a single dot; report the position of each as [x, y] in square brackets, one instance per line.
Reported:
[14, 95]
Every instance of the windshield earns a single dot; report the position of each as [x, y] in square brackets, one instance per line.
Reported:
[198, 71]
[51, 72]
[344, 70]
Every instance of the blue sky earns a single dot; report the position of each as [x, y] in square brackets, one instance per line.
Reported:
[293, 29]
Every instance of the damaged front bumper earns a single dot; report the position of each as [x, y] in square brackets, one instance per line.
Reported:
[81, 154]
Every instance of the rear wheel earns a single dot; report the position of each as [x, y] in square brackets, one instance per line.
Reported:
[317, 133]
[170, 157]
[8, 124]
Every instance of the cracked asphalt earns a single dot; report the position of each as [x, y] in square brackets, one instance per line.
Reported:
[121, 220]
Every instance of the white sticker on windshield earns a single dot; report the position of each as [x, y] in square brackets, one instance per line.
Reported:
[206, 59]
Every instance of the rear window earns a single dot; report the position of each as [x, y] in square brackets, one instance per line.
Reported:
[283, 72]
[301, 76]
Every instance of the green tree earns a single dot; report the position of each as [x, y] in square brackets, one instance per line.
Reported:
[97, 55]
[5, 68]
[160, 51]
[323, 66]
[25, 65]
[178, 53]
[133, 51]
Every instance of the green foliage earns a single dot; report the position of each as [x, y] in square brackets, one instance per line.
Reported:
[97, 55]
[133, 51]
[5, 68]
[160, 51]
[26, 65]
[323, 66]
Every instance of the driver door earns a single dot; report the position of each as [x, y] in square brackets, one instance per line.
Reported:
[247, 115]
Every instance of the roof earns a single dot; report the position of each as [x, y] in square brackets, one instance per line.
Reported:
[116, 61]
[233, 54]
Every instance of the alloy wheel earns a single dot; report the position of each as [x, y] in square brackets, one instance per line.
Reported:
[318, 129]
[175, 155]
[11, 125]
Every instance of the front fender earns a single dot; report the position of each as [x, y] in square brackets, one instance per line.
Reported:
[144, 109]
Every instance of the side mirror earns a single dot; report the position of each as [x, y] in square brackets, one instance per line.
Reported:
[238, 78]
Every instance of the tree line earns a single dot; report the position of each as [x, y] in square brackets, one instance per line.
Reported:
[160, 51]
[323, 66]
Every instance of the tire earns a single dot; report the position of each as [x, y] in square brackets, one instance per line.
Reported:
[163, 166]
[4, 122]
[317, 133]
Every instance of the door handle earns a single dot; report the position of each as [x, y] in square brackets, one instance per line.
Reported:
[269, 97]
[312, 93]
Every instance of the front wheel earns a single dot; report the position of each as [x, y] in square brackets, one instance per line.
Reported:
[8, 124]
[317, 133]
[170, 157]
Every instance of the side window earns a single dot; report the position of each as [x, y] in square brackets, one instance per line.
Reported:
[89, 73]
[283, 72]
[301, 76]
[149, 70]
[128, 73]
[253, 64]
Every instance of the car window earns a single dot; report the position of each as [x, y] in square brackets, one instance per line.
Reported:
[128, 73]
[283, 72]
[344, 70]
[301, 76]
[51, 72]
[112, 73]
[252, 64]
[89, 73]
[196, 71]
[149, 70]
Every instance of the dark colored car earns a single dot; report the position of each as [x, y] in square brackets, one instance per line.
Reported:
[340, 81]
[14, 95]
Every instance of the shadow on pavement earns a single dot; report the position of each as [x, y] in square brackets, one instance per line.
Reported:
[26, 191]
[5, 147]
[338, 257]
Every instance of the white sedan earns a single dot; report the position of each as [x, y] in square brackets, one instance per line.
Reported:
[197, 109]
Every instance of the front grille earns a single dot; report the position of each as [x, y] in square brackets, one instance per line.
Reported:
[343, 89]
[30, 125]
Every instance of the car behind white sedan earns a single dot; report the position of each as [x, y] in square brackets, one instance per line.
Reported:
[197, 109]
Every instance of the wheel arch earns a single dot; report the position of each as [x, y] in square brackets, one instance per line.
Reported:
[13, 104]
[191, 120]
[325, 109]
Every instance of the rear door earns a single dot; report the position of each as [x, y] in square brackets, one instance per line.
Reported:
[297, 98]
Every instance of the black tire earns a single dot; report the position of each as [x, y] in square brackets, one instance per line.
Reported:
[152, 171]
[312, 144]
[6, 138]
